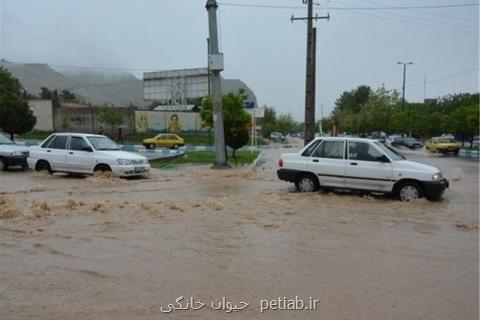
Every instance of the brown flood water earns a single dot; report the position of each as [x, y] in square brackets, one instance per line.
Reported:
[107, 248]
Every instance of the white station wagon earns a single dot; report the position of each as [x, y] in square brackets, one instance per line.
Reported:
[359, 164]
[85, 154]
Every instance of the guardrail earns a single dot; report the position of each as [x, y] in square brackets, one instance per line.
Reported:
[465, 153]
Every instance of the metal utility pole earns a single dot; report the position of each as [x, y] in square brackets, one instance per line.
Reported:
[424, 87]
[215, 64]
[310, 74]
[404, 78]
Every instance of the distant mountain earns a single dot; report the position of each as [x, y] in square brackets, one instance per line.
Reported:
[121, 89]
[97, 88]
[33, 76]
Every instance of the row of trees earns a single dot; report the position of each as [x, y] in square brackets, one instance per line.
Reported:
[273, 122]
[364, 110]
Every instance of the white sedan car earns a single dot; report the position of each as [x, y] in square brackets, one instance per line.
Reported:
[360, 164]
[85, 154]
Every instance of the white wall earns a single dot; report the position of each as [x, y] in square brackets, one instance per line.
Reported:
[42, 109]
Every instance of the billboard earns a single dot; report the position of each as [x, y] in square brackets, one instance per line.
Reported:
[167, 121]
[174, 87]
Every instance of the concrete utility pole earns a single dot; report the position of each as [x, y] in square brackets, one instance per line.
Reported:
[310, 126]
[215, 64]
[404, 79]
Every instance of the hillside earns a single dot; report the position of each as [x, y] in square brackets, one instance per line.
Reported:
[98, 88]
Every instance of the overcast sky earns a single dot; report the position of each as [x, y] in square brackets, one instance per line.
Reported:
[261, 46]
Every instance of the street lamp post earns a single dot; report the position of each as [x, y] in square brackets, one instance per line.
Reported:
[404, 78]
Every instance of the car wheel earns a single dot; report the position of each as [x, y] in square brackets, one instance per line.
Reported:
[151, 146]
[43, 165]
[3, 165]
[409, 191]
[456, 152]
[102, 168]
[174, 146]
[306, 183]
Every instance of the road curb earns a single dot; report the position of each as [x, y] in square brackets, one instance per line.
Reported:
[475, 154]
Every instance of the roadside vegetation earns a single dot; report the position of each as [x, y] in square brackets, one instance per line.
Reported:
[363, 110]
[204, 158]
[15, 114]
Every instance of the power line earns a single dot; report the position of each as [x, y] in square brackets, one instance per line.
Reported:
[403, 18]
[451, 76]
[460, 5]
[468, 26]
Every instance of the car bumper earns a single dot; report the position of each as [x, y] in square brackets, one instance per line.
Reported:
[434, 189]
[131, 170]
[16, 161]
[287, 174]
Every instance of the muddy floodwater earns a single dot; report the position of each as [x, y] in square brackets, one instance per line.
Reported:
[108, 248]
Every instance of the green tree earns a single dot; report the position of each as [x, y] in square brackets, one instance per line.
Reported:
[8, 83]
[68, 96]
[111, 117]
[352, 101]
[268, 122]
[464, 121]
[285, 124]
[235, 119]
[15, 114]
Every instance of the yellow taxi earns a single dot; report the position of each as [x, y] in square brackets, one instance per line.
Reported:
[164, 140]
[443, 145]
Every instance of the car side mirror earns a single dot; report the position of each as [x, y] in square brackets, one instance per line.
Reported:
[383, 158]
[87, 149]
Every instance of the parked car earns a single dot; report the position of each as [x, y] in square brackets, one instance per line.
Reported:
[164, 140]
[380, 136]
[359, 164]
[277, 137]
[85, 154]
[442, 145]
[408, 142]
[12, 155]
[393, 137]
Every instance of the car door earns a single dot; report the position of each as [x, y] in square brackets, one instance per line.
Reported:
[328, 163]
[161, 141]
[366, 169]
[80, 156]
[55, 152]
[171, 140]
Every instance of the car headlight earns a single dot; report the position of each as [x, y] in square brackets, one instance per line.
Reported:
[124, 162]
[437, 176]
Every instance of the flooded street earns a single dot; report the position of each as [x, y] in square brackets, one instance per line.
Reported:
[108, 248]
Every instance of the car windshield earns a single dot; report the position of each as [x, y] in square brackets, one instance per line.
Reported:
[103, 143]
[446, 140]
[392, 154]
[5, 140]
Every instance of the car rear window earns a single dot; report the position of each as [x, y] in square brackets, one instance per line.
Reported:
[59, 142]
[330, 149]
